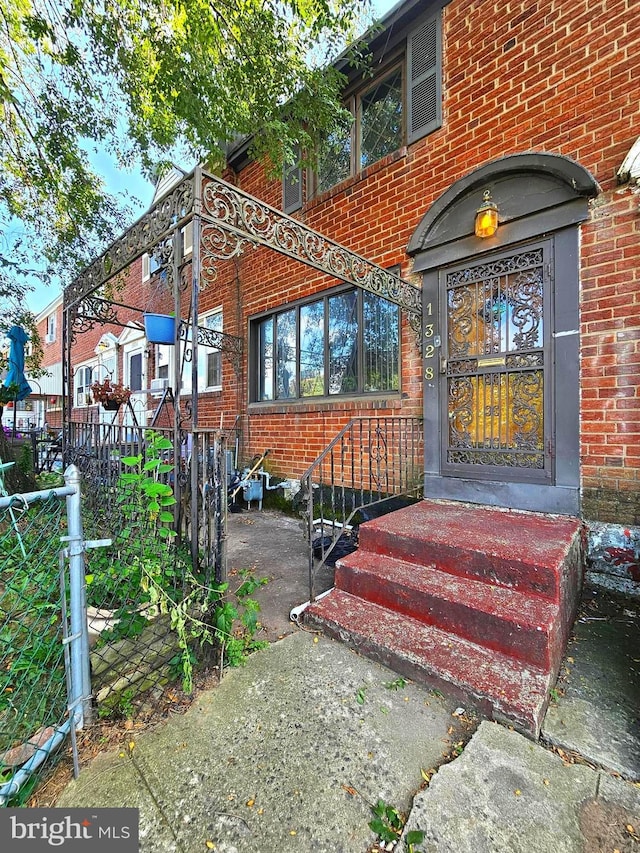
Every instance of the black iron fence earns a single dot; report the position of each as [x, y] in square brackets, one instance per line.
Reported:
[371, 462]
[197, 476]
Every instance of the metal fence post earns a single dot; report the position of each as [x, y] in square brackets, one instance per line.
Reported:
[220, 487]
[80, 698]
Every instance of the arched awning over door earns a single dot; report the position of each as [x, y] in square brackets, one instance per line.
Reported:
[501, 339]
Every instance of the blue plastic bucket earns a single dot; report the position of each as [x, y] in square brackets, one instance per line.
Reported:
[160, 328]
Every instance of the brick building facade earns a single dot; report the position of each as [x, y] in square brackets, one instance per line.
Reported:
[44, 405]
[535, 102]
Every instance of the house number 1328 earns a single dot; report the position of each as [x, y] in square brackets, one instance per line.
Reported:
[429, 350]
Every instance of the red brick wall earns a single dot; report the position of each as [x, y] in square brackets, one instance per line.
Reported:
[559, 76]
[51, 352]
[49, 404]
[563, 77]
[610, 377]
[127, 289]
[297, 433]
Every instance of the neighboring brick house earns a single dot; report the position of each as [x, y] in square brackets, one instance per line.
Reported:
[531, 336]
[44, 405]
[48, 388]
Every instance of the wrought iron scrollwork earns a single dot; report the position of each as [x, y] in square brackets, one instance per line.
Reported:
[502, 266]
[229, 345]
[148, 231]
[509, 460]
[496, 363]
[378, 451]
[93, 310]
[478, 421]
[231, 221]
[528, 359]
[254, 221]
[218, 244]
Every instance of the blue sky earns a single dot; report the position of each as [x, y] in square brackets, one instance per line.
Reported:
[133, 188]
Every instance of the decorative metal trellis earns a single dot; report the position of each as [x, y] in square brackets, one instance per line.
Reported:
[225, 222]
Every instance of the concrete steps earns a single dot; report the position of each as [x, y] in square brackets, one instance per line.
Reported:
[476, 600]
[508, 621]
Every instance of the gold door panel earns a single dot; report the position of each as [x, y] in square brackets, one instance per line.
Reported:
[494, 367]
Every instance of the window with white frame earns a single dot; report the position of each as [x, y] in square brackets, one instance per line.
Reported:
[150, 266]
[50, 336]
[187, 239]
[345, 342]
[107, 365]
[163, 362]
[210, 359]
[82, 381]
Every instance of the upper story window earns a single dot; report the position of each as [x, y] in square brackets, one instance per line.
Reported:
[346, 342]
[50, 336]
[400, 105]
[376, 130]
[151, 265]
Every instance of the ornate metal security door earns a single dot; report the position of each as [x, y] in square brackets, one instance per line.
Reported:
[496, 378]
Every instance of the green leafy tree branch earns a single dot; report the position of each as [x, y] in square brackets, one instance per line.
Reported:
[185, 78]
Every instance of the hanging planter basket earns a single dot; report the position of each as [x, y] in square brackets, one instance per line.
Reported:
[111, 405]
[160, 328]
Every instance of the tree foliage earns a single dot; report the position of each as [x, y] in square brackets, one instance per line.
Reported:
[146, 81]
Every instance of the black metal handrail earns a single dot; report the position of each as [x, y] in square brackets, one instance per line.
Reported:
[369, 462]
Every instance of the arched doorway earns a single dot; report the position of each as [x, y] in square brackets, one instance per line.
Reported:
[501, 335]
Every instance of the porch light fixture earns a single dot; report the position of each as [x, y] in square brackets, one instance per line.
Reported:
[487, 216]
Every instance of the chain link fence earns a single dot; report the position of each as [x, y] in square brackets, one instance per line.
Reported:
[101, 603]
[37, 697]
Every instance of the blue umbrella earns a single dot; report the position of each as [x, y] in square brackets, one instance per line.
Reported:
[15, 374]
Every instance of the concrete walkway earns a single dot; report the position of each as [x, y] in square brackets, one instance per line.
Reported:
[290, 752]
[286, 754]
[505, 793]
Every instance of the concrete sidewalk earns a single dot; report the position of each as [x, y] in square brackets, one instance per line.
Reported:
[290, 752]
[286, 754]
[506, 793]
